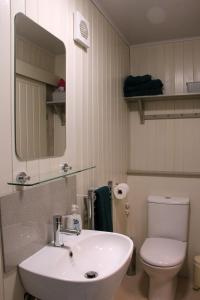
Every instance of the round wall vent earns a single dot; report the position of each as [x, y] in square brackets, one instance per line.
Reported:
[81, 30]
[84, 30]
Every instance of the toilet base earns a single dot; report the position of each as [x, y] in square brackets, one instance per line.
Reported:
[162, 290]
[162, 281]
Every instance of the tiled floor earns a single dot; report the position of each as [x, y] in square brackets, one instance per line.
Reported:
[135, 288]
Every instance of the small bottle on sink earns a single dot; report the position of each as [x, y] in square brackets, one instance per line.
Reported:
[74, 221]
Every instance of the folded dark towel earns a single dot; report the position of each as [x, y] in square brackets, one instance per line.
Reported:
[136, 80]
[143, 93]
[103, 210]
[150, 85]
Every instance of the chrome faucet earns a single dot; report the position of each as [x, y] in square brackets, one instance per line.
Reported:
[57, 224]
[57, 231]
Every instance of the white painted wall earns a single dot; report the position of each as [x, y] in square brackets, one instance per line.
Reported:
[166, 145]
[97, 117]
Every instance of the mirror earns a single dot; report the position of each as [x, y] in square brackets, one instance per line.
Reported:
[40, 64]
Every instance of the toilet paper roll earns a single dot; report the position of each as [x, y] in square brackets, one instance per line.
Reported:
[120, 191]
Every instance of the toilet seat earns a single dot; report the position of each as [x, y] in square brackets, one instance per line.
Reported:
[161, 252]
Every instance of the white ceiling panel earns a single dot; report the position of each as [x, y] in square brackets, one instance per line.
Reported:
[142, 21]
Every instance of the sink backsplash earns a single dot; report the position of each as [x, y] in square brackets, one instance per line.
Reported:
[26, 218]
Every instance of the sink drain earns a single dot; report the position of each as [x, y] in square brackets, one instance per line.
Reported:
[91, 274]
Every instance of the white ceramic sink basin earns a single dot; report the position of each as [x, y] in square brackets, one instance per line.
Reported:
[52, 274]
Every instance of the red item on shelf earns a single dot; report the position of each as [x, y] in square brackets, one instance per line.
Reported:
[61, 83]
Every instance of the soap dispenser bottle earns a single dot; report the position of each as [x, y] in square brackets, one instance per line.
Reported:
[74, 220]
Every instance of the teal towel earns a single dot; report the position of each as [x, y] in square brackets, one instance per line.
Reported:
[103, 210]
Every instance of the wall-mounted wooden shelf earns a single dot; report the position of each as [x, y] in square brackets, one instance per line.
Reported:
[141, 100]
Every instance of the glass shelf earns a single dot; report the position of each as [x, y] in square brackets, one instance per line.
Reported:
[35, 180]
[55, 102]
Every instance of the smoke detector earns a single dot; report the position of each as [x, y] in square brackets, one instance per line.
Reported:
[81, 30]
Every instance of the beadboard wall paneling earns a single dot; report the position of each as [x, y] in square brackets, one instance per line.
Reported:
[96, 115]
[167, 145]
[31, 131]
[175, 62]
[34, 62]
[94, 89]
[38, 63]
[5, 113]
[34, 55]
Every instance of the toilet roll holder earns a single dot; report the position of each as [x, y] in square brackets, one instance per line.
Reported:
[89, 201]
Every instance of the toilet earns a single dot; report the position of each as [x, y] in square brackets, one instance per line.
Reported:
[163, 252]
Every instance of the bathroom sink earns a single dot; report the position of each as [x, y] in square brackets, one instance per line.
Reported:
[91, 269]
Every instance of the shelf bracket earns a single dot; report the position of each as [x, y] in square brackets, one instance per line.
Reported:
[60, 113]
[141, 100]
[141, 110]
[59, 110]
[22, 177]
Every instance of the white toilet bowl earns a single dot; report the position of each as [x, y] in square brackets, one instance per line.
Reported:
[162, 281]
[162, 259]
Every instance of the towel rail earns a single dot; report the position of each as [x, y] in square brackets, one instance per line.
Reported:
[89, 201]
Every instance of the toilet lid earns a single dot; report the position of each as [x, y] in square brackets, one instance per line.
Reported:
[162, 252]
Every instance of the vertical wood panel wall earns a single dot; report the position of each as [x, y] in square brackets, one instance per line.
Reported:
[96, 113]
[31, 129]
[34, 55]
[5, 113]
[97, 117]
[167, 145]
